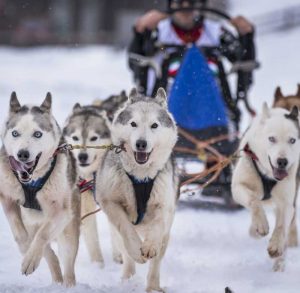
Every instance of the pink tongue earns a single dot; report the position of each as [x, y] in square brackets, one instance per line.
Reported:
[18, 166]
[279, 174]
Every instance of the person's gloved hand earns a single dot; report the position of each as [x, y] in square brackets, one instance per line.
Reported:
[149, 20]
[242, 25]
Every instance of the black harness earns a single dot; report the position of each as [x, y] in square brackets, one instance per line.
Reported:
[33, 187]
[142, 191]
[267, 182]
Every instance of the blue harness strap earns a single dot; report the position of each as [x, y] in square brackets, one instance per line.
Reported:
[142, 191]
[33, 187]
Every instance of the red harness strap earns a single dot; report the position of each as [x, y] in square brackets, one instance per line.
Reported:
[250, 153]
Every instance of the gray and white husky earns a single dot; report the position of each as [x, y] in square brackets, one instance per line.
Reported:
[38, 191]
[86, 126]
[137, 188]
[266, 174]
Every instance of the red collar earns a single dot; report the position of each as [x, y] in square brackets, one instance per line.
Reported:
[250, 153]
[188, 36]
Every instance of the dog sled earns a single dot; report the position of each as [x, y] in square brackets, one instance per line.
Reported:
[207, 117]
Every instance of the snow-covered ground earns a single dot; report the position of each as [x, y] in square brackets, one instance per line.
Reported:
[208, 250]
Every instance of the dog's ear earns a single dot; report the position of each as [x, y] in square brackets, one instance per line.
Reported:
[293, 114]
[133, 96]
[265, 111]
[77, 107]
[298, 91]
[123, 94]
[278, 94]
[108, 121]
[161, 97]
[14, 104]
[46, 105]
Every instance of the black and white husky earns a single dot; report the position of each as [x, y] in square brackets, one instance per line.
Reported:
[266, 174]
[38, 189]
[137, 188]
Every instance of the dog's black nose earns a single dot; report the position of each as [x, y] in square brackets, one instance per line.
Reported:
[23, 155]
[282, 163]
[82, 157]
[141, 145]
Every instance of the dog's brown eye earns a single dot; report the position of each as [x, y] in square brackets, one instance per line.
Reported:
[272, 139]
[94, 138]
[154, 125]
[133, 124]
[292, 140]
[37, 134]
[75, 138]
[15, 133]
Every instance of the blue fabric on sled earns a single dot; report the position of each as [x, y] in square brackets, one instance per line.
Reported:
[195, 99]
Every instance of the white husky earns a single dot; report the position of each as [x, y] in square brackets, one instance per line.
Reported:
[38, 190]
[266, 173]
[137, 189]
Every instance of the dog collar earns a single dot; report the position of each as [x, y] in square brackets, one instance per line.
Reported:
[142, 190]
[267, 182]
[33, 187]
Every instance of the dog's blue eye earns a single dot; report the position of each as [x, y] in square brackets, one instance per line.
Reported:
[154, 125]
[292, 140]
[75, 138]
[94, 138]
[133, 124]
[15, 133]
[37, 134]
[272, 139]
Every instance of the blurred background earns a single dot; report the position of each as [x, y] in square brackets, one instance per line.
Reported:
[77, 48]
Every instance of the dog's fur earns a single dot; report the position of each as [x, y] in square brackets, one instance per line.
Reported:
[59, 199]
[288, 102]
[146, 119]
[273, 135]
[86, 126]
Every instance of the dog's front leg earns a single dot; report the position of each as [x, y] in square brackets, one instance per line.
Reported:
[54, 223]
[154, 247]
[13, 213]
[278, 242]
[119, 219]
[248, 198]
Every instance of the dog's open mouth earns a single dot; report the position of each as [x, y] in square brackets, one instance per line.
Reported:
[24, 170]
[278, 173]
[141, 157]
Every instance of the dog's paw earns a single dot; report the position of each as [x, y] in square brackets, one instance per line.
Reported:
[149, 249]
[276, 246]
[259, 226]
[133, 247]
[69, 281]
[30, 262]
[117, 257]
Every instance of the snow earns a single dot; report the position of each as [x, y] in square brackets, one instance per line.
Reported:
[209, 250]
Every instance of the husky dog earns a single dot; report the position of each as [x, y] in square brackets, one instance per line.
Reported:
[86, 126]
[266, 173]
[286, 102]
[137, 188]
[38, 189]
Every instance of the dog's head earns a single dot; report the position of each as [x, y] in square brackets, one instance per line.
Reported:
[146, 128]
[276, 140]
[86, 126]
[286, 102]
[30, 136]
